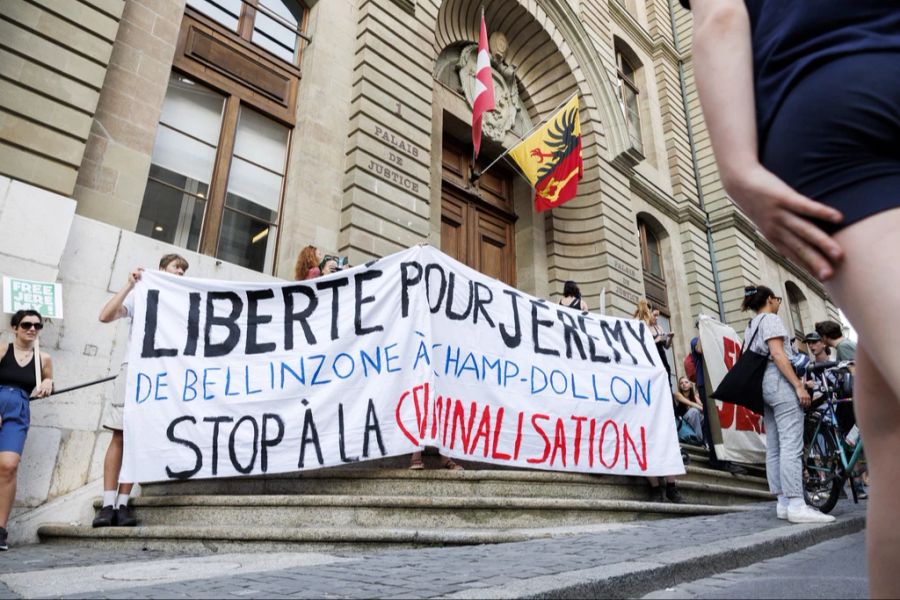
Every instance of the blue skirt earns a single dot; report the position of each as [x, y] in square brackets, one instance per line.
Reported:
[16, 413]
[836, 137]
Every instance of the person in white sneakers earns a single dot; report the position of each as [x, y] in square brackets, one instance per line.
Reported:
[115, 510]
[784, 396]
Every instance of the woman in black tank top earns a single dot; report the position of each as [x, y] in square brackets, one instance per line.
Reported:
[572, 297]
[18, 382]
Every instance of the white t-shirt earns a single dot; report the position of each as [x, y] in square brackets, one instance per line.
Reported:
[770, 326]
[128, 305]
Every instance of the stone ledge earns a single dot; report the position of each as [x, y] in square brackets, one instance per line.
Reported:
[634, 579]
[358, 501]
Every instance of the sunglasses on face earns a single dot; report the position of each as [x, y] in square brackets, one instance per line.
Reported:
[26, 325]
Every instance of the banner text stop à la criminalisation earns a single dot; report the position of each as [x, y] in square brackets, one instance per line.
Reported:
[412, 350]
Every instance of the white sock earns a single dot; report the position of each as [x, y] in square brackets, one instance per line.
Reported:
[122, 500]
[109, 497]
[796, 503]
[782, 500]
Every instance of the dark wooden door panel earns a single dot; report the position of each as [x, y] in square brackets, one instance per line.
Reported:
[477, 224]
[494, 249]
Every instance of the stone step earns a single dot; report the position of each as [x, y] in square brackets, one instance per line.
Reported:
[699, 456]
[701, 484]
[226, 534]
[400, 511]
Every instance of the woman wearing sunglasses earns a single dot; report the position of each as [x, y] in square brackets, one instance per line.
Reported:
[18, 382]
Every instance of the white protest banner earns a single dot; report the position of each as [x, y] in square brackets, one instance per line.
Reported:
[743, 434]
[410, 350]
[42, 296]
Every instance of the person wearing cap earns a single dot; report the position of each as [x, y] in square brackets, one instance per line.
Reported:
[843, 411]
[818, 349]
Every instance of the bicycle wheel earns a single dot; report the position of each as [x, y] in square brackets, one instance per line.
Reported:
[822, 479]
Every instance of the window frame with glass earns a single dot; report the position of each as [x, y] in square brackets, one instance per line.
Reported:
[655, 287]
[268, 24]
[794, 299]
[240, 184]
[247, 80]
[629, 97]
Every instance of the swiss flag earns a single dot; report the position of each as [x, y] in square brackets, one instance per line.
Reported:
[484, 86]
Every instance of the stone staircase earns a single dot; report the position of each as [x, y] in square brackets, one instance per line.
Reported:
[384, 504]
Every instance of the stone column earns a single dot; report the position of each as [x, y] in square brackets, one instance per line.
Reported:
[113, 175]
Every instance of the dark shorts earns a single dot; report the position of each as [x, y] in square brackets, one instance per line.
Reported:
[16, 413]
[836, 138]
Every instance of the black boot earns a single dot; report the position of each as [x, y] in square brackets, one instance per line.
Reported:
[657, 493]
[672, 493]
[105, 518]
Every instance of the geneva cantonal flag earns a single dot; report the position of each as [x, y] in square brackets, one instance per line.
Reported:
[551, 158]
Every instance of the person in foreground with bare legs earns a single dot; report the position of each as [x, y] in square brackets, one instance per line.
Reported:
[801, 105]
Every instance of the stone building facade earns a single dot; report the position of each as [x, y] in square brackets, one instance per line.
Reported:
[238, 131]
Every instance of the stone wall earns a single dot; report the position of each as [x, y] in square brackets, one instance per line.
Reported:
[66, 444]
[113, 174]
[53, 62]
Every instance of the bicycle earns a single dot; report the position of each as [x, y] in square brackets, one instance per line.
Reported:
[826, 466]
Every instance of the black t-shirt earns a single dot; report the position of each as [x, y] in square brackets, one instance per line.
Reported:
[13, 375]
[792, 38]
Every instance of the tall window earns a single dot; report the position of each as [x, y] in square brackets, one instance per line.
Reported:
[795, 298]
[276, 25]
[220, 155]
[216, 176]
[650, 251]
[184, 154]
[628, 96]
[253, 197]
[652, 265]
[655, 289]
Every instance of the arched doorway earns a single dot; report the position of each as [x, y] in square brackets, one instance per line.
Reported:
[542, 67]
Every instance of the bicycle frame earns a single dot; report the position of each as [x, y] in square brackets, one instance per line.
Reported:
[829, 415]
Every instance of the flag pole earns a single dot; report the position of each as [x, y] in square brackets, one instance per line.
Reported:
[477, 174]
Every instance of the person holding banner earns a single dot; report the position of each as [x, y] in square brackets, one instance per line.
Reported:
[696, 359]
[572, 297]
[663, 340]
[24, 374]
[311, 263]
[115, 509]
[416, 463]
[307, 266]
[784, 397]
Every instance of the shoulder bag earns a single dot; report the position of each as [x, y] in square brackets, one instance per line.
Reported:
[742, 385]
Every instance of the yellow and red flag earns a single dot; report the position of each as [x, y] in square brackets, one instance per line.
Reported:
[551, 158]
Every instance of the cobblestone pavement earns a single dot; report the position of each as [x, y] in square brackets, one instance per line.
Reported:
[832, 569]
[469, 571]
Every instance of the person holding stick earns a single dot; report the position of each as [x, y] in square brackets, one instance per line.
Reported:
[115, 509]
[25, 372]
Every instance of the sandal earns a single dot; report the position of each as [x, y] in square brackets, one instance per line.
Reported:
[416, 465]
[452, 466]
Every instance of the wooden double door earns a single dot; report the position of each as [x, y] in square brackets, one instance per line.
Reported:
[477, 221]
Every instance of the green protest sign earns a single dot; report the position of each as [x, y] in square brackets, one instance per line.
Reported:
[42, 296]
